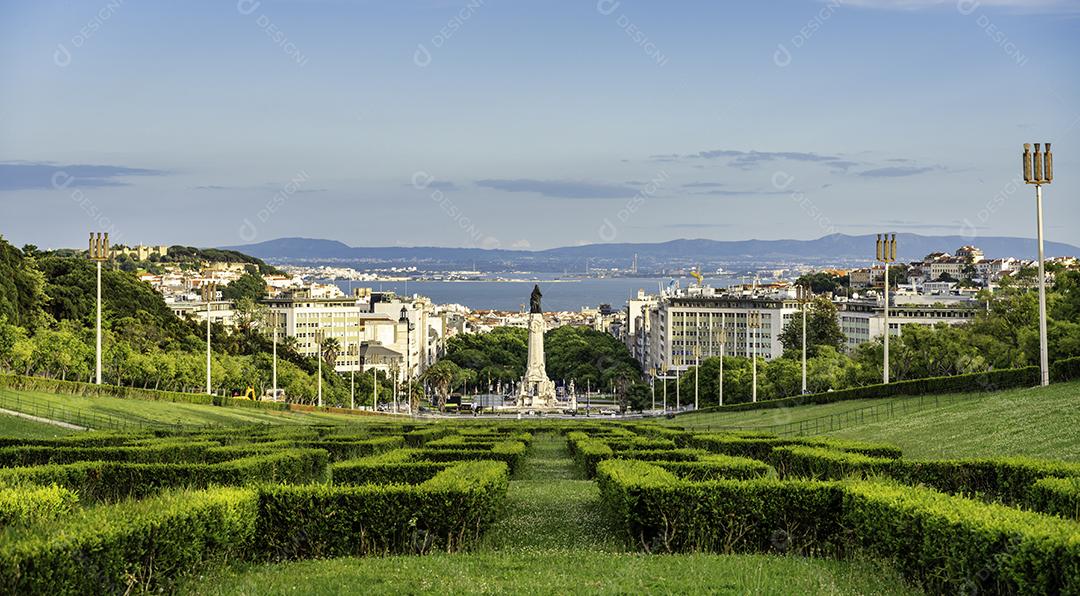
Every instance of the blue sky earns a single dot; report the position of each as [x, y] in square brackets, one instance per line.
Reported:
[532, 123]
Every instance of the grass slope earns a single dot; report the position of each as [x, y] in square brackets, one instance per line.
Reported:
[553, 538]
[136, 410]
[21, 428]
[1039, 422]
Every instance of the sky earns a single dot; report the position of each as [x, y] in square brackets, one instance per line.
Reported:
[532, 124]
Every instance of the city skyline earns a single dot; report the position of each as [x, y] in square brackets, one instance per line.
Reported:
[497, 124]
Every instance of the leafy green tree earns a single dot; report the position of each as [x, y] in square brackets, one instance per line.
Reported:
[442, 376]
[822, 329]
[249, 285]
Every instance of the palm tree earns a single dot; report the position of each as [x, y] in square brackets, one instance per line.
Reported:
[442, 376]
[330, 349]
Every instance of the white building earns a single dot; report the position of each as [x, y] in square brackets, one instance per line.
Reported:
[684, 329]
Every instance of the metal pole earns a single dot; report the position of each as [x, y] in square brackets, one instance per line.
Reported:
[886, 371]
[1044, 358]
[652, 387]
[98, 362]
[665, 390]
[804, 347]
[753, 360]
[318, 357]
[408, 363]
[274, 375]
[375, 390]
[209, 297]
[721, 373]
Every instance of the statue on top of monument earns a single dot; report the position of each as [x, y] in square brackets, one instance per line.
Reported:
[534, 300]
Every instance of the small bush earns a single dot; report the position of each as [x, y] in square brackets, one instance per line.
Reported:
[34, 504]
[1056, 496]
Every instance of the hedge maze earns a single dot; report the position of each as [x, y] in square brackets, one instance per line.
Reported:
[117, 513]
[1004, 525]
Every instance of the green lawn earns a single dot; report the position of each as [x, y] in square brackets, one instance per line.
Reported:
[767, 417]
[136, 410]
[21, 428]
[554, 538]
[1038, 422]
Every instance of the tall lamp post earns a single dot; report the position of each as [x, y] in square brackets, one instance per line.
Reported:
[723, 343]
[1039, 170]
[274, 374]
[753, 321]
[803, 294]
[409, 327]
[209, 293]
[886, 253]
[99, 253]
[319, 335]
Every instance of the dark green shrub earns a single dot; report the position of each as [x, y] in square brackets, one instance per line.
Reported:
[1056, 496]
[417, 438]
[142, 546]
[1066, 369]
[162, 453]
[446, 513]
[588, 452]
[662, 513]
[361, 472]
[796, 461]
[116, 481]
[953, 545]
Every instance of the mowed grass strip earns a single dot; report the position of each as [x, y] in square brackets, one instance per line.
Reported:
[570, 572]
[550, 507]
[1038, 422]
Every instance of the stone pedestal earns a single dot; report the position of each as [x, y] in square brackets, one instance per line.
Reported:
[537, 390]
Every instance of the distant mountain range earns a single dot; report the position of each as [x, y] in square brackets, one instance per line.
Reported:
[834, 248]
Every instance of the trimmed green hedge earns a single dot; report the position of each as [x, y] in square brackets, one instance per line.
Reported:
[83, 439]
[953, 545]
[164, 453]
[141, 546]
[662, 513]
[948, 544]
[1066, 369]
[993, 380]
[1056, 496]
[116, 481]
[712, 467]
[417, 438]
[510, 452]
[33, 504]
[446, 513]
[639, 444]
[363, 472]
[589, 452]
[760, 446]
[1007, 479]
